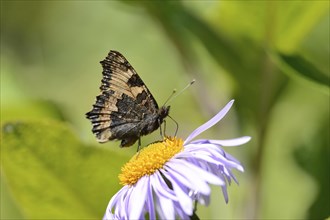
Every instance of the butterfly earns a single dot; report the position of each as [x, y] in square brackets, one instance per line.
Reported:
[125, 110]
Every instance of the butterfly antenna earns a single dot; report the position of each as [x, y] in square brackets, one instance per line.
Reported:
[171, 97]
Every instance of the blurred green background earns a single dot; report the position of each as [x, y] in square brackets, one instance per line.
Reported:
[272, 57]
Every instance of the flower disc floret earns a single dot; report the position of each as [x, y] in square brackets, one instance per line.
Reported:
[150, 159]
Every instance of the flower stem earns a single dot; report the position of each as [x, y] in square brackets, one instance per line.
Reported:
[267, 94]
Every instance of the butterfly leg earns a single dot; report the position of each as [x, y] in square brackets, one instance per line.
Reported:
[165, 128]
[177, 125]
[160, 129]
[139, 144]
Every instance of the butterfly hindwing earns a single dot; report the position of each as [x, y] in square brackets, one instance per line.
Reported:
[125, 109]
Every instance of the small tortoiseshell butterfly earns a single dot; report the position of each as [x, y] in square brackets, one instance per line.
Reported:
[125, 110]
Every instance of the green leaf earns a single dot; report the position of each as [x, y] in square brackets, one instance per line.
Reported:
[313, 158]
[296, 65]
[50, 174]
[9, 209]
[180, 24]
[288, 27]
[284, 24]
[14, 100]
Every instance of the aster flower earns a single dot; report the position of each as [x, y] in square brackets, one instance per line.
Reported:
[164, 179]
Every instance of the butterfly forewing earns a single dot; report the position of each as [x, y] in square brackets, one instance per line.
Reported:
[125, 109]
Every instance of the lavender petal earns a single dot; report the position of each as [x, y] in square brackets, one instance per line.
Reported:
[225, 143]
[210, 123]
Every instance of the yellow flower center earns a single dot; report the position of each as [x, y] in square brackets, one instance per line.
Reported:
[149, 159]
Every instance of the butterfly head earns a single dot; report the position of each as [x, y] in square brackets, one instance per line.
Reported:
[163, 112]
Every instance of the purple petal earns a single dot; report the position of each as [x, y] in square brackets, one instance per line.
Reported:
[180, 212]
[214, 158]
[230, 157]
[209, 149]
[122, 207]
[233, 177]
[167, 208]
[161, 188]
[194, 170]
[115, 199]
[209, 123]
[184, 200]
[116, 202]
[150, 201]
[225, 193]
[110, 216]
[204, 200]
[138, 198]
[210, 153]
[188, 178]
[226, 143]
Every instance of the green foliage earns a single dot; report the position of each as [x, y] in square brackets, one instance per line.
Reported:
[305, 157]
[51, 174]
[242, 34]
[261, 53]
[305, 69]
